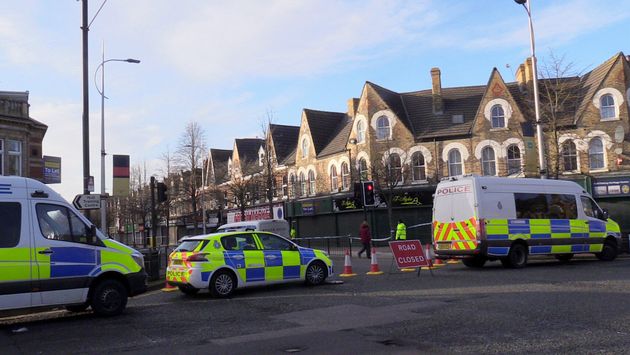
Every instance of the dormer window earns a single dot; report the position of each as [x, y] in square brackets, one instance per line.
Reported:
[304, 147]
[498, 116]
[607, 107]
[382, 128]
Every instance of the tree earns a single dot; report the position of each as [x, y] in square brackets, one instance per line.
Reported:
[560, 93]
[243, 183]
[268, 176]
[189, 154]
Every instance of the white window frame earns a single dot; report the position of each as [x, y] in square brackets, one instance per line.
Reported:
[451, 164]
[305, 147]
[363, 173]
[607, 112]
[303, 190]
[12, 153]
[421, 167]
[488, 162]
[500, 116]
[511, 160]
[618, 100]
[386, 129]
[334, 179]
[311, 183]
[399, 168]
[345, 176]
[360, 131]
[564, 154]
[603, 154]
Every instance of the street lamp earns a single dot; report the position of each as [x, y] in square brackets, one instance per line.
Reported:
[539, 132]
[101, 91]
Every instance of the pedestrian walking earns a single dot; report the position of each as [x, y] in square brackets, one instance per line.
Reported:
[366, 239]
[401, 230]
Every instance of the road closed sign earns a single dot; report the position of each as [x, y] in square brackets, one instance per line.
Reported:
[408, 253]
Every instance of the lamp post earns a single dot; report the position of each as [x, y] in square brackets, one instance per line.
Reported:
[101, 91]
[539, 132]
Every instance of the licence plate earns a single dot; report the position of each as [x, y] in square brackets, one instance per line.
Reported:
[443, 246]
[177, 262]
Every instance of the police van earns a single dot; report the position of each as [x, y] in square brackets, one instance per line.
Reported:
[481, 218]
[277, 226]
[51, 255]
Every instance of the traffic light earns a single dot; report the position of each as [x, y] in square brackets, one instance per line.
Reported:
[161, 192]
[368, 193]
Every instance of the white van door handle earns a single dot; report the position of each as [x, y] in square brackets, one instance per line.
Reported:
[45, 251]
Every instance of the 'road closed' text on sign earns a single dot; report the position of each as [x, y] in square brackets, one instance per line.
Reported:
[408, 253]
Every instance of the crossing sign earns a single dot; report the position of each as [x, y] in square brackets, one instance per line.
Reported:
[87, 202]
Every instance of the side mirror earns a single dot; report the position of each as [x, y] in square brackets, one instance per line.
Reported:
[605, 214]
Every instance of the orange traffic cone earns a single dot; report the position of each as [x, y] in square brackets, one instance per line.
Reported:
[429, 255]
[374, 270]
[168, 288]
[437, 262]
[347, 267]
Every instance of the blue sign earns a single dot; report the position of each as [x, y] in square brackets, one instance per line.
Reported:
[611, 187]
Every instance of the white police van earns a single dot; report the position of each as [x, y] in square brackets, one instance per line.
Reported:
[276, 226]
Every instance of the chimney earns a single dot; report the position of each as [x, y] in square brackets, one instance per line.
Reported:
[353, 105]
[436, 90]
[520, 75]
[529, 70]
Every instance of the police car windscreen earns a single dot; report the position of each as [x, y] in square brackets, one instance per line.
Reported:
[454, 202]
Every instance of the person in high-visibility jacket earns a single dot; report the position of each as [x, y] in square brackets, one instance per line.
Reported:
[401, 230]
[293, 232]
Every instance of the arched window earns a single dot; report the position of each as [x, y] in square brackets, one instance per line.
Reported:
[569, 156]
[607, 106]
[360, 132]
[334, 182]
[498, 116]
[596, 154]
[304, 147]
[417, 167]
[488, 163]
[454, 163]
[285, 186]
[513, 159]
[382, 128]
[363, 169]
[311, 182]
[293, 186]
[345, 176]
[302, 185]
[395, 168]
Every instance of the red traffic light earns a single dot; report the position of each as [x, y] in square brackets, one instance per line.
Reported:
[370, 187]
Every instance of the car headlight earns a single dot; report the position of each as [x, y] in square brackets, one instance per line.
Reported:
[138, 258]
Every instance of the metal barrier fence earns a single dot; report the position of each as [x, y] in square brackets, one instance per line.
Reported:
[337, 245]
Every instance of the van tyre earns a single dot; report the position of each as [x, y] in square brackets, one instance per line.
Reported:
[109, 298]
[608, 253]
[222, 284]
[517, 257]
[188, 290]
[475, 262]
[315, 273]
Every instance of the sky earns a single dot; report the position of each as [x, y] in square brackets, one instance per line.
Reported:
[227, 64]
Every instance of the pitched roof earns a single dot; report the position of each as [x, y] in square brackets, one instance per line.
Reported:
[248, 151]
[285, 140]
[457, 101]
[394, 101]
[323, 126]
[219, 160]
[591, 82]
[341, 133]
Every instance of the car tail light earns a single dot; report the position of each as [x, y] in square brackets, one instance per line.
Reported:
[197, 257]
[481, 229]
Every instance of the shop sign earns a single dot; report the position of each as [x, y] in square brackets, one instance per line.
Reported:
[611, 187]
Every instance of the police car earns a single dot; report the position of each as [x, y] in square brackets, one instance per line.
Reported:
[223, 262]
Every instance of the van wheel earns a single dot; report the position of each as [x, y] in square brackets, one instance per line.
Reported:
[188, 290]
[77, 307]
[564, 257]
[109, 298]
[222, 284]
[608, 253]
[517, 257]
[475, 261]
[315, 274]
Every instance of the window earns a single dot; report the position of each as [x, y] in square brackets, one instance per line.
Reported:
[363, 169]
[285, 185]
[545, 206]
[360, 132]
[395, 167]
[569, 156]
[417, 167]
[345, 176]
[513, 159]
[498, 116]
[596, 154]
[454, 162]
[303, 190]
[334, 181]
[59, 223]
[14, 159]
[191, 245]
[293, 188]
[590, 208]
[311, 182]
[382, 128]
[488, 163]
[607, 107]
[10, 224]
[304, 147]
[239, 242]
[273, 242]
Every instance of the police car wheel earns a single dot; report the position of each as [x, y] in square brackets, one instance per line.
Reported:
[315, 273]
[222, 284]
[188, 290]
[517, 257]
[609, 252]
[109, 298]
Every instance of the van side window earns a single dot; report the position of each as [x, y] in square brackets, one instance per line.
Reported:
[59, 223]
[562, 206]
[545, 206]
[10, 224]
